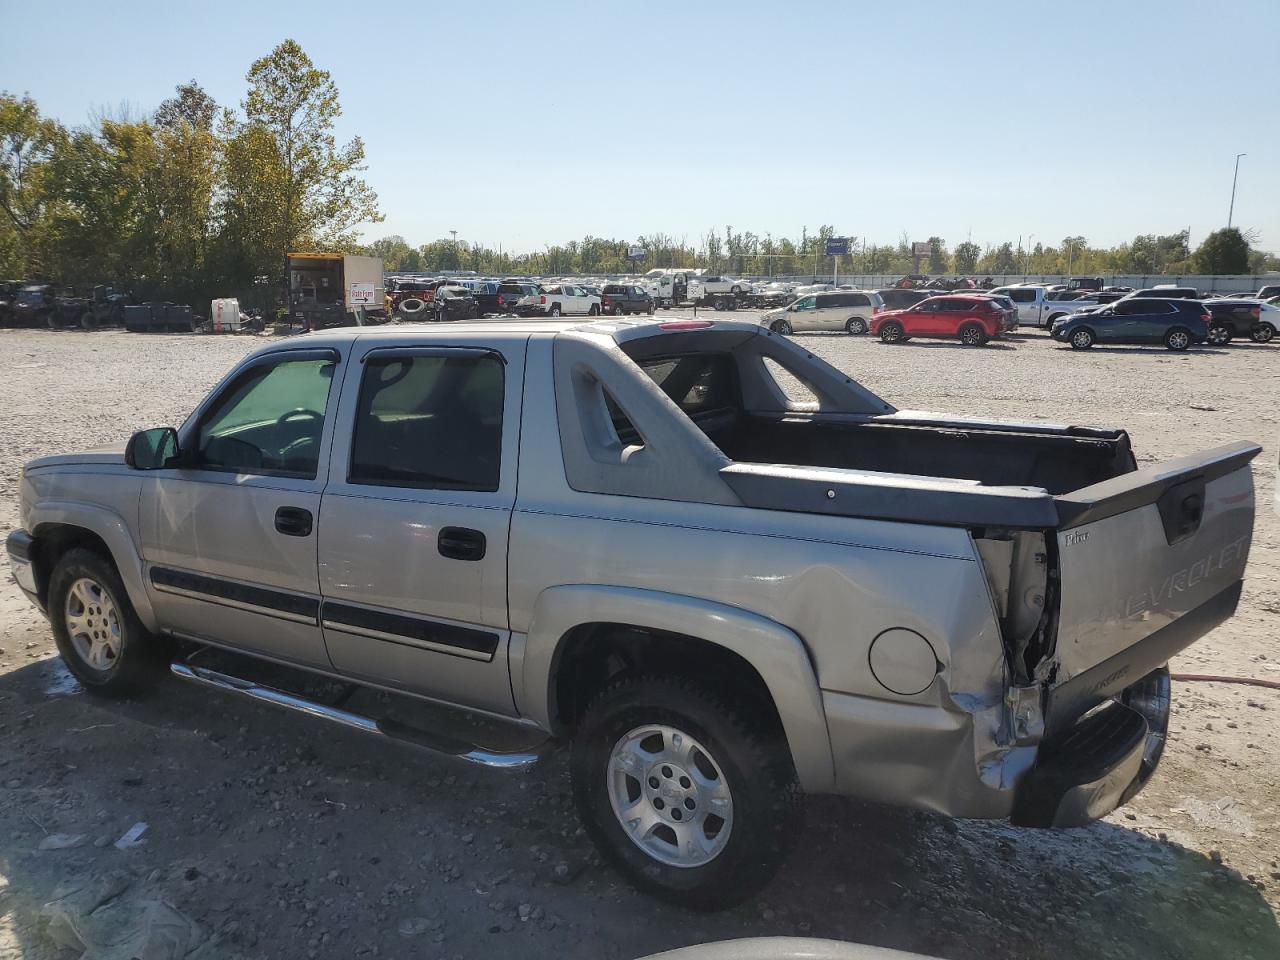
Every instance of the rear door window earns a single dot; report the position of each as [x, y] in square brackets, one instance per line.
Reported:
[429, 423]
[1018, 295]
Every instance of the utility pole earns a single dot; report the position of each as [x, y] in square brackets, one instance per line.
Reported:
[1231, 212]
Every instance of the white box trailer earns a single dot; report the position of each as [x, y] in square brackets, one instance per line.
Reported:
[334, 289]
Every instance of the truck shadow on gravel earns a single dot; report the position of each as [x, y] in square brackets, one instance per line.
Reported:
[283, 836]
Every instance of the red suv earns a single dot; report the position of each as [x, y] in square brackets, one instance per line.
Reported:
[972, 319]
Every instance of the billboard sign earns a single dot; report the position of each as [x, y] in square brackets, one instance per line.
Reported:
[837, 247]
[636, 253]
[921, 249]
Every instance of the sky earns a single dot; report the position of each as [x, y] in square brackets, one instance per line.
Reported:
[525, 124]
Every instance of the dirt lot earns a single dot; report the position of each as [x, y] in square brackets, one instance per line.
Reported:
[284, 838]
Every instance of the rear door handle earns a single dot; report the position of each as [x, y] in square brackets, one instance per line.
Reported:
[461, 543]
[293, 521]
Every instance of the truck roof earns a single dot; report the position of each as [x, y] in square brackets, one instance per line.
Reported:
[618, 330]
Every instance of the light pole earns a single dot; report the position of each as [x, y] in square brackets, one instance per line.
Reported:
[1026, 260]
[1231, 212]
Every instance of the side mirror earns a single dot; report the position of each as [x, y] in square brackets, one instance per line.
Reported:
[152, 449]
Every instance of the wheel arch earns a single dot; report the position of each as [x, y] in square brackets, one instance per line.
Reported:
[58, 526]
[583, 625]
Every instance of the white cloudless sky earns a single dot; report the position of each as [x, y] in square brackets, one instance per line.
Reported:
[524, 124]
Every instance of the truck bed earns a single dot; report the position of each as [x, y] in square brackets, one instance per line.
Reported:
[1059, 460]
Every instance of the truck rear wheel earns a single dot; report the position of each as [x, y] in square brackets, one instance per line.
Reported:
[690, 797]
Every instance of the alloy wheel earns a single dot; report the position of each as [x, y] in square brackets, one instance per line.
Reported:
[93, 624]
[670, 796]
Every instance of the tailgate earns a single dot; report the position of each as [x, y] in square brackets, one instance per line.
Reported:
[1148, 562]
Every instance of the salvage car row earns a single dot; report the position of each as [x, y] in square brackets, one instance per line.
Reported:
[1142, 317]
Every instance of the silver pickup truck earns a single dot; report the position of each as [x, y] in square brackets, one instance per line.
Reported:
[632, 536]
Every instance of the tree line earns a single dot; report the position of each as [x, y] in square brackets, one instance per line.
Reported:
[745, 253]
[197, 199]
[191, 201]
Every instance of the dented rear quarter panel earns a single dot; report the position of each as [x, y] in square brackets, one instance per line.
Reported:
[836, 582]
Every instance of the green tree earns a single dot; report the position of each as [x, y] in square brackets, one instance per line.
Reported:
[28, 145]
[937, 255]
[1223, 251]
[966, 256]
[292, 186]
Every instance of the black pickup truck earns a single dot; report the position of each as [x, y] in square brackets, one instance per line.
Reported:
[620, 298]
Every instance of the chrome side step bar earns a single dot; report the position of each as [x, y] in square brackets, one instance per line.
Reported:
[386, 728]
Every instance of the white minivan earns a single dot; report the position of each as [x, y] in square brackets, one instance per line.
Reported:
[847, 310]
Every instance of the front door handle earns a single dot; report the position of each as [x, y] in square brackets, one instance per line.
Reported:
[461, 543]
[293, 522]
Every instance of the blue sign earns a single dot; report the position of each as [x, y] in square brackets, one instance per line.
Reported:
[837, 246]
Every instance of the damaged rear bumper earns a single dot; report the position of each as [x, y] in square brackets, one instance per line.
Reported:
[1090, 768]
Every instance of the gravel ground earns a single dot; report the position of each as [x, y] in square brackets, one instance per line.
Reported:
[280, 837]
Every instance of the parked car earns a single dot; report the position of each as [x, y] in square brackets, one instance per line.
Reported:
[1085, 283]
[774, 294]
[454, 302]
[569, 300]
[1254, 319]
[33, 305]
[973, 319]
[1168, 292]
[618, 299]
[485, 294]
[720, 597]
[1269, 291]
[721, 293]
[1008, 306]
[899, 298]
[1177, 323]
[1037, 305]
[850, 311]
[519, 297]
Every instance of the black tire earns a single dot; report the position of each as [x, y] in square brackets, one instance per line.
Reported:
[142, 656]
[1082, 338]
[554, 311]
[1220, 335]
[855, 326]
[412, 306]
[766, 799]
[782, 326]
[719, 304]
[972, 335]
[1262, 333]
[891, 331]
[1177, 339]
[88, 321]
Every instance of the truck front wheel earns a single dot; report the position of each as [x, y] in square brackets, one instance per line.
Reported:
[100, 637]
[690, 797]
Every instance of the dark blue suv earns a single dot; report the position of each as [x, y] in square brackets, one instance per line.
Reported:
[1175, 323]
